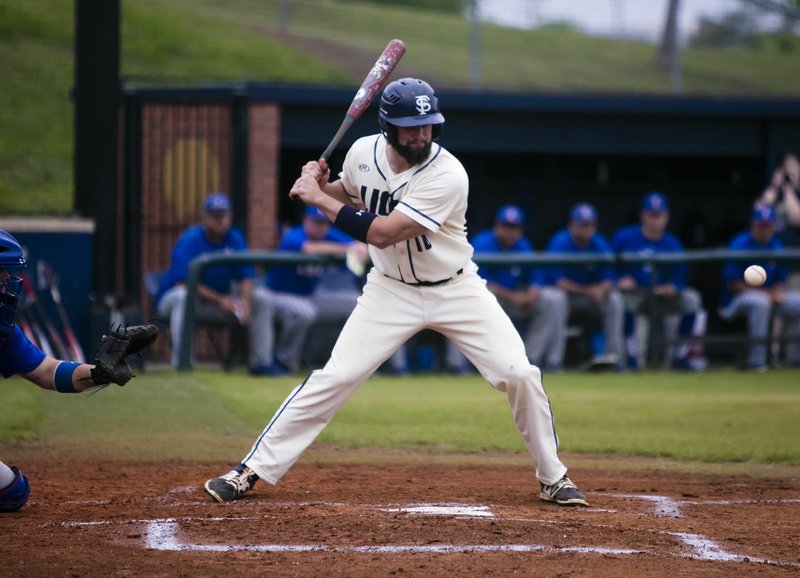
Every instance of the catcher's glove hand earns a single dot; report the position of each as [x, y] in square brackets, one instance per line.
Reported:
[110, 360]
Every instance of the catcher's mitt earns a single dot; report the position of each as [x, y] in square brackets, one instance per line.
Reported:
[110, 360]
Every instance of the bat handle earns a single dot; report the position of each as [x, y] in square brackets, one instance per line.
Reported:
[345, 126]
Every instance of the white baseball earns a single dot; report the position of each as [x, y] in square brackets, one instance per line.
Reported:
[755, 276]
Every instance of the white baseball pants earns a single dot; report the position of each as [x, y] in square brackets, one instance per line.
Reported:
[387, 314]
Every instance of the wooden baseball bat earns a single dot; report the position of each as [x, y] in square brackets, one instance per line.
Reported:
[25, 326]
[373, 83]
[39, 334]
[75, 349]
[50, 334]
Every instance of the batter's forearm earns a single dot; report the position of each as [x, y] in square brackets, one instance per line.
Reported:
[394, 228]
[336, 191]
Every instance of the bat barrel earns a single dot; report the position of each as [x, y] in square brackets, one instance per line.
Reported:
[373, 83]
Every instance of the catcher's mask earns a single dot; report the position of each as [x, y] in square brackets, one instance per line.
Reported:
[11, 260]
[408, 102]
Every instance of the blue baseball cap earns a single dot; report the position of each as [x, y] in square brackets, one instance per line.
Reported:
[510, 215]
[764, 214]
[315, 213]
[655, 202]
[583, 213]
[217, 203]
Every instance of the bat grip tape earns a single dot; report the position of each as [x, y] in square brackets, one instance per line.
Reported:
[63, 377]
[354, 222]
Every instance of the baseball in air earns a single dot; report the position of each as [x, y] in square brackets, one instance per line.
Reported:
[755, 276]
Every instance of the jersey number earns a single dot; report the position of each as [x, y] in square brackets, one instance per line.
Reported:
[382, 203]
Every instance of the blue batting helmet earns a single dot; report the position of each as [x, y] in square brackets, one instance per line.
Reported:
[409, 102]
[11, 259]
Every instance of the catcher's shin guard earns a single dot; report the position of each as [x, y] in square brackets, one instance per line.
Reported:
[14, 496]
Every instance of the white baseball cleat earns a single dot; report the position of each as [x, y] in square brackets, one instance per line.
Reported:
[563, 493]
[232, 485]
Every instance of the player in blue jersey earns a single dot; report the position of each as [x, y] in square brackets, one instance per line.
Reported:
[224, 291]
[591, 289]
[760, 304]
[19, 356]
[522, 292]
[646, 287]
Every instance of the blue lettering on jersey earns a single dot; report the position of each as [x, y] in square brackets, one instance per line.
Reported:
[379, 202]
[382, 203]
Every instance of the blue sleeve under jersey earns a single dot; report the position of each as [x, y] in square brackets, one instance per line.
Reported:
[18, 355]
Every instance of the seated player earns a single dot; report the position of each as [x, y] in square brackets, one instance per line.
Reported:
[225, 292]
[760, 304]
[667, 291]
[591, 289]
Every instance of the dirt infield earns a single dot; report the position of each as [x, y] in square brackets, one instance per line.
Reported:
[410, 519]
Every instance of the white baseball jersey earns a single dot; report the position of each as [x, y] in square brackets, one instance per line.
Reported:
[433, 194]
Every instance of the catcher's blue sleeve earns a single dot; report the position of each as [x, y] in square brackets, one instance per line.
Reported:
[18, 355]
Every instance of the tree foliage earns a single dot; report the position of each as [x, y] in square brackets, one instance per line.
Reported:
[734, 30]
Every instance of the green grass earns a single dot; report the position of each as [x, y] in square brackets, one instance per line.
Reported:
[24, 411]
[721, 416]
[191, 42]
[161, 45]
[35, 110]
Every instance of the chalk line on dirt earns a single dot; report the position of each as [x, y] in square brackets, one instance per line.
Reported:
[163, 535]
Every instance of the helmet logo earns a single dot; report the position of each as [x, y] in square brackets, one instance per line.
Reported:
[423, 103]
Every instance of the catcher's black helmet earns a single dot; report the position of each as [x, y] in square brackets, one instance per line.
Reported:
[409, 102]
[11, 259]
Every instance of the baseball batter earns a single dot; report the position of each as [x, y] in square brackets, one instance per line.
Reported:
[406, 196]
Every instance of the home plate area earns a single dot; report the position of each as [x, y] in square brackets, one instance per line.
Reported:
[493, 529]
[410, 519]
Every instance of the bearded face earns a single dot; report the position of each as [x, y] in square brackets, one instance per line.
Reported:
[414, 143]
[414, 156]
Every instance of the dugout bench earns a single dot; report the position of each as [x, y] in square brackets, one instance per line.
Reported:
[532, 259]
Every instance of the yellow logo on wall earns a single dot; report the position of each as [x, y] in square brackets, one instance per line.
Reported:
[190, 173]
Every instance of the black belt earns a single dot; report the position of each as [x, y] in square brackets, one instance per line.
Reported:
[427, 283]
